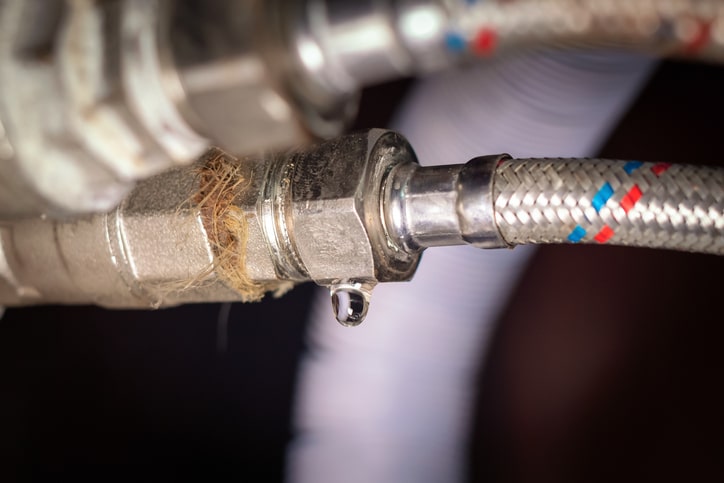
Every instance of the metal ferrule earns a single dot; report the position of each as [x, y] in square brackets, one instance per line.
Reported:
[341, 46]
[476, 204]
[443, 205]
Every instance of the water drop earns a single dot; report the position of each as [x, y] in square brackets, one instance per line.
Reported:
[350, 304]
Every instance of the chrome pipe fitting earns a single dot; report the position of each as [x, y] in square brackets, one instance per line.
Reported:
[443, 205]
[224, 229]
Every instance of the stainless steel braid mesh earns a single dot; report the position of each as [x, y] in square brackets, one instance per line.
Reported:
[617, 202]
[679, 27]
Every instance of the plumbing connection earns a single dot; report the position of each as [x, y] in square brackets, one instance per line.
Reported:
[346, 214]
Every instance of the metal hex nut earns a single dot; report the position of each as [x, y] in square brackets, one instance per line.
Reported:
[334, 209]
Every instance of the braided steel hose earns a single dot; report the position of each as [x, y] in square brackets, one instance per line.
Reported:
[690, 28]
[402, 38]
[400, 383]
[630, 203]
[496, 202]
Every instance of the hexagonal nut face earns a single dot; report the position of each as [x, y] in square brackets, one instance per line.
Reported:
[332, 241]
[266, 121]
[163, 243]
[335, 210]
[327, 210]
[235, 74]
[167, 247]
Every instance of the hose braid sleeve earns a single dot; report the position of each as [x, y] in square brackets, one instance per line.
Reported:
[631, 203]
[687, 28]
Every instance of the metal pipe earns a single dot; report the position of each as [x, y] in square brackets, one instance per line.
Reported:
[495, 201]
[340, 46]
[99, 95]
[223, 229]
[443, 205]
[347, 214]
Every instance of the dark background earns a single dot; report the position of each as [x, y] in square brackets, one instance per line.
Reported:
[606, 365]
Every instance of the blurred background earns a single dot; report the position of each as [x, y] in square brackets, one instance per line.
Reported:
[605, 364]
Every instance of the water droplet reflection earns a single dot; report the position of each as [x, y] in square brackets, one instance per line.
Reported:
[350, 305]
